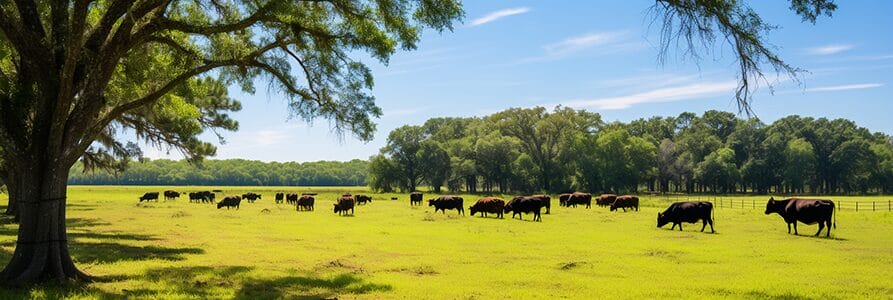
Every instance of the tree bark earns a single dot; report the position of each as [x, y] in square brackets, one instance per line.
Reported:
[41, 253]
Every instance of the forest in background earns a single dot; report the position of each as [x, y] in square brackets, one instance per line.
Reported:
[537, 150]
[227, 172]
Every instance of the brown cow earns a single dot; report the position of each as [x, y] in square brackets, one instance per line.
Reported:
[345, 203]
[305, 202]
[562, 199]
[625, 201]
[362, 199]
[546, 201]
[605, 199]
[579, 199]
[486, 205]
[807, 211]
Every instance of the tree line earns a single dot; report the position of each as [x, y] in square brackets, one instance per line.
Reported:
[534, 149]
[227, 172]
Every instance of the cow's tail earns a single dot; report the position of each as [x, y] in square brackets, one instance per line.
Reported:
[834, 214]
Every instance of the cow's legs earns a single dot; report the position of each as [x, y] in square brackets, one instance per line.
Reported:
[680, 226]
[789, 228]
[821, 226]
[704, 222]
[711, 225]
[795, 228]
[674, 227]
[829, 228]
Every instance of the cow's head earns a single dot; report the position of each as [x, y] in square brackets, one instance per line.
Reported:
[337, 208]
[771, 206]
[472, 210]
[661, 220]
[614, 206]
[431, 202]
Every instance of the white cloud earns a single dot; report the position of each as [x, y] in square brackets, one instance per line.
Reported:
[670, 94]
[499, 14]
[270, 137]
[829, 49]
[577, 43]
[845, 87]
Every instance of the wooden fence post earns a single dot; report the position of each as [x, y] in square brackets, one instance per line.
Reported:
[872, 206]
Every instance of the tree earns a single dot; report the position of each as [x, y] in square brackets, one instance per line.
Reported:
[74, 73]
[436, 164]
[404, 144]
[696, 23]
[718, 170]
[799, 163]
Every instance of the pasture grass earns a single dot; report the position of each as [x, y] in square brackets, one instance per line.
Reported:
[388, 249]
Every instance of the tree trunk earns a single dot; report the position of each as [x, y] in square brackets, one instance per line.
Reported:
[41, 253]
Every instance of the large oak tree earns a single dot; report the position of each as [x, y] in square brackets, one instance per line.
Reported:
[75, 75]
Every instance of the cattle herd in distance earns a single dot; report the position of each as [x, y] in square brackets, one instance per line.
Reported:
[792, 210]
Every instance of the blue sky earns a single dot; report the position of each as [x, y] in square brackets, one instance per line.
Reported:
[595, 55]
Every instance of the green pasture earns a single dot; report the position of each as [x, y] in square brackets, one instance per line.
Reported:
[390, 250]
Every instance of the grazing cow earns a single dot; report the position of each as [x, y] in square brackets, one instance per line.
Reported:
[194, 197]
[149, 196]
[524, 204]
[250, 197]
[562, 199]
[807, 211]
[393, 198]
[486, 205]
[291, 198]
[625, 201]
[605, 199]
[231, 201]
[305, 202]
[171, 195]
[443, 203]
[345, 203]
[579, 199]
[546, 200]
[362, 199]
[208, 197]
[689, 212]
[279, 197]
[415, 198]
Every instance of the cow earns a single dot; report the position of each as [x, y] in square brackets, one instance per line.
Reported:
[208, 197]
[579, 199]
[194, 197]
[562, 199]
[393, 198]
[443, 203]
[251, 197]
[345, 203]
[624, 202]
[524, 204]
[149, 196]
[362, 199]
[203, 197]
[229, 202]
[291, 198]
[807, 211]
[605, 199]
[689, 212]
[486, 205]
[546, 200]
[280, 197]
[171, 195]
[415, 198]
[305, 202]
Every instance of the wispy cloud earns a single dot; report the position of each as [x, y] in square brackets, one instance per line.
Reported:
[270, 137]
[829, 49]
[499, 14]
[670, 94]
[845, 87]
[577, 43]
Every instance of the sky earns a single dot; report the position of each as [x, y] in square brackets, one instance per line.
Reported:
[601, 56]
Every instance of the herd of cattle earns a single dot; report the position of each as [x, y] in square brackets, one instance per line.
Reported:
[792, 210]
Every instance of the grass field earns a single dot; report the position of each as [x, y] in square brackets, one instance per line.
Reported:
[388, 250]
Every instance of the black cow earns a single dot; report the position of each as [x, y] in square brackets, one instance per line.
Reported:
[807, 211]
[624, 202]
[443, 203]
[149, 196]
[362, 199]
[689, 212]
[291, 198]
[345, 203]
[203, 197]
[415, 198]
[171, 195]
[251, 197]
[524, 204]
[231, 201]
[487, 205]
[279, 197]
[305, 202]
[546, 200]
[562, 199]
[579, 199]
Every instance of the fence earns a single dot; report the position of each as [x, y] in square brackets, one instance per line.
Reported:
[738, 203]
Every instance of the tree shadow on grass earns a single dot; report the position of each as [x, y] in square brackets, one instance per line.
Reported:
[308, 287]
[105, 253]
[783, 296]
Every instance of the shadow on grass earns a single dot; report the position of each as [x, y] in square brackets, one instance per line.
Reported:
[308, 287]
[105, 253]
[784, 296]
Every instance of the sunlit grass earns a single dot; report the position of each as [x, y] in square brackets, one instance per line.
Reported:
[388, 249]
